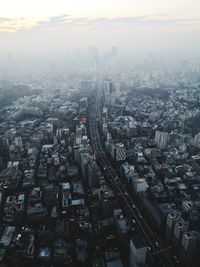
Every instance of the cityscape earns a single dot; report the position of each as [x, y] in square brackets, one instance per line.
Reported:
[99, 144]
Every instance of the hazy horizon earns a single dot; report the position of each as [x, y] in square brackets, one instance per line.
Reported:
[48, 29]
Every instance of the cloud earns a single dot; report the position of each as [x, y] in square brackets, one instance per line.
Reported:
[66, 22]
[143, 21]
[62, 22]
[16, 24]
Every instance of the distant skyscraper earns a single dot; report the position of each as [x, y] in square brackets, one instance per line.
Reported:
[161, 139]
[109, 90]
[108, 87]
[93, 56]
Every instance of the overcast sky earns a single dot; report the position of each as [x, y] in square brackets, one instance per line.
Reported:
[50, 26]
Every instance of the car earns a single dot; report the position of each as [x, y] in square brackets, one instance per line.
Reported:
[140, 215]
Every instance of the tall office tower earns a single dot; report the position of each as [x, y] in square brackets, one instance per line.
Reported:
[108, 87]
[85, 159]
[161, 139]
[170, 225]
[197, 140]
[109, 91]
[181, 226]
[93, 56]
[93, 175]
[117, 86]
[189, 248]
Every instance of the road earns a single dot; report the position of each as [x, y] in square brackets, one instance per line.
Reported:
[128, 206]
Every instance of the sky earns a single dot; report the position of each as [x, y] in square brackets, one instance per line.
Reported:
[138, 26]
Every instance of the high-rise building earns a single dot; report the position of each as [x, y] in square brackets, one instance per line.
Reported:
[172, 218]
[108, 87]
[161, 139]
[108, 200]
[93, 56]
[189, 248]
[180, 228]
[109, 90]
[85, 158]
[93, 175]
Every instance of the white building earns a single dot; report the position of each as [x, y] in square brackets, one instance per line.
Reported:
[140, 185]
[138, 251]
